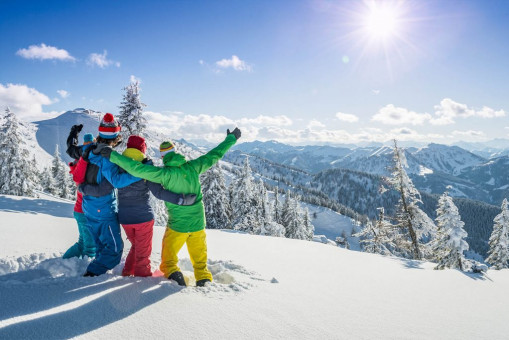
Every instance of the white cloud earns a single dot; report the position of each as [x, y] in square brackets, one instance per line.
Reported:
[375, 92]
[267, 120]
[63, 93]
[316, 124]
[347, 117]
[134, 79]
[448, 110]
[24, 101]
[392, 115]
[44, 52]
[469, 133]
[101, 60]
[235, 63]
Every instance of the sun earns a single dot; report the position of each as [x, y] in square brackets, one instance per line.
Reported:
[381, 21]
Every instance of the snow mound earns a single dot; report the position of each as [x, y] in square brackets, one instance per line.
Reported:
[36, 267]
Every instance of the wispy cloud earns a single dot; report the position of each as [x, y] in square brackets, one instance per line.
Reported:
[347, 117]
[234, 62]
[45, 52]
[101, 60]
[63, 93]
[469, 133]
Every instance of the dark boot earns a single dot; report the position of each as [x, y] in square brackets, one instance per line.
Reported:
[89, 274]
[179, 278]
[201, 283]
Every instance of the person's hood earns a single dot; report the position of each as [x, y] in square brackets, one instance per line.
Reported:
[173, 159]
[134, 154]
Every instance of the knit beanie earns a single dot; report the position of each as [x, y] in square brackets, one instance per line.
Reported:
[88, 138]
[137, 142]
[109, 127]
[166, 147]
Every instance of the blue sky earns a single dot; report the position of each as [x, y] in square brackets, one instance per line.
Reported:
[308, 71]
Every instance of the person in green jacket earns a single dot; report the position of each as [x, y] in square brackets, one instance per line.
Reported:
[186, 224]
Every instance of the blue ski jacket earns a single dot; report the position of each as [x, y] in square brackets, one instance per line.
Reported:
[105, 207]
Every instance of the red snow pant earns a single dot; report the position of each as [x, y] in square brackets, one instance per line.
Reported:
[137, 262]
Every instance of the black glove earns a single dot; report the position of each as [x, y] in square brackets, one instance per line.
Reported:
[103, 149]
[187, 199]
[77, 128]
[235, 132]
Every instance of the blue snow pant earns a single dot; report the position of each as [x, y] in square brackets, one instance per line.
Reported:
[86, 244]
[109, 244]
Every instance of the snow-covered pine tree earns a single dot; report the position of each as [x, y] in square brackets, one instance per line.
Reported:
[309, 229]
[450, 243]
[48, 182]
[64, 187]
[414, 224]
[277, 207]
[293, 219]
[215, 199]
[269, 227]
[375, 238]
[498, 255]
[131, 112]
[244, 210]
[16, 169]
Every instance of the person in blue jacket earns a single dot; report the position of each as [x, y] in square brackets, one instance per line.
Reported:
[135, 212]
[101, 212]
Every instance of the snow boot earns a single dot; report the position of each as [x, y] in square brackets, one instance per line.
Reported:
[89, 274]
[202, 283]
[179, 278]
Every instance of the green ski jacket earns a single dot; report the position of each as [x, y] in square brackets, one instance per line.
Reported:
[182, 177]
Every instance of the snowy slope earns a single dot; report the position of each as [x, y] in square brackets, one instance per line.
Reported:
[268, 288]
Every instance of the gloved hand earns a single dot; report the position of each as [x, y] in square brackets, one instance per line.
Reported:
[77, 128]
[103, 149]
[235, 132]
[187, 199]
[80, 188]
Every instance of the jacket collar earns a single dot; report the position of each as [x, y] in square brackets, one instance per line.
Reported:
[173, 159]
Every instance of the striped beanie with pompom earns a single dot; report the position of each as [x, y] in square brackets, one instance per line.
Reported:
[109, 127]
[166, 147]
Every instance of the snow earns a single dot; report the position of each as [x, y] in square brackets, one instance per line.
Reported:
[265, 287]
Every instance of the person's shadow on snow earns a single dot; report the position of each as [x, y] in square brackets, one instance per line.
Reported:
[36, 206]
[70, 314]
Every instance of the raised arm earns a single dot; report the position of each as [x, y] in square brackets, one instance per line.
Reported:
[205, 162]
[73, 150]
[161, 193]
[135, 168]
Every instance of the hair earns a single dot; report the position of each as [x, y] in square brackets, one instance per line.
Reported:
[111, 142]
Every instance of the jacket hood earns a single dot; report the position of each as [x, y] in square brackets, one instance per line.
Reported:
[173, 159]
[135, 154]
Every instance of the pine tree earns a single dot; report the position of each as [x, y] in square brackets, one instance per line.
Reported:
[131, 112]
[16, 170]
[309, 229]
[244, 210]
[498, 255]
[218, 211]
[48, 183]
[268, 225]
[375, 238]
[277, 207]
[64, 187]
[414, 224]
[293, 220]
[450, 241]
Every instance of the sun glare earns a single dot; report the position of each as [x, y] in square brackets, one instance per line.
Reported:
[381, 22]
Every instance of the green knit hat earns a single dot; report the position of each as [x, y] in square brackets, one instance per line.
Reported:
[166, 147]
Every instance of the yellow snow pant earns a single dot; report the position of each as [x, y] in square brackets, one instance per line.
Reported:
[196, 242]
